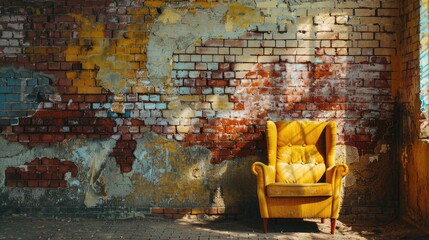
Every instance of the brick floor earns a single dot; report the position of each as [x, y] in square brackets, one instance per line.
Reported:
[21, 227]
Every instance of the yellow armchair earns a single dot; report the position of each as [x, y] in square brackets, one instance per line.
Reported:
[301, 179]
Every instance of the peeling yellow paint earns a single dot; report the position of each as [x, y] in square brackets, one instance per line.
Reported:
[170, 16]
[205, 4]
[241, 16]
[153, 3]
[112, 59]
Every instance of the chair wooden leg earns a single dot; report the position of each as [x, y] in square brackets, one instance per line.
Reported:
[265, 222]
[322, 220]
[333, 221]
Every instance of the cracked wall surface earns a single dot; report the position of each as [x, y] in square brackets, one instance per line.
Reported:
[163, 104]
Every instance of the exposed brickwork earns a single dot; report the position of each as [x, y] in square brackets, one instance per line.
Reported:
[332, 67]
[41, 172]
[319, 60]
[329, 65]
[123, 153]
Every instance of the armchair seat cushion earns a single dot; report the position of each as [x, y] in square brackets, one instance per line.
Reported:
[299, 190]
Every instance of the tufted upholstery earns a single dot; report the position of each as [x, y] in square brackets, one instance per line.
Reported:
[301, 179]
[300, 152]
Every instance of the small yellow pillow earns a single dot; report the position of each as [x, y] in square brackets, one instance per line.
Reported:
[299, 164]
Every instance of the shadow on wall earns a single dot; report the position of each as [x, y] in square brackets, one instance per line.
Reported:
[167, 175]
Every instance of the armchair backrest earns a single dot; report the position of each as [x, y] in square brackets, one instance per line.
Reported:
[301, 150]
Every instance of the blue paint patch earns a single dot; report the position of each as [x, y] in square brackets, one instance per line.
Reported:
[21, 92]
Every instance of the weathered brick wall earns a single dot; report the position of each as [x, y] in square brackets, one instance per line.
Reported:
[45, 172]
[200, 73]
[412, 114]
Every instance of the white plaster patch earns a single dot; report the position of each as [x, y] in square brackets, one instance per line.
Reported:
[372, 159]
[349, 180]
[384, 148]
[117, 184]
[346, 154]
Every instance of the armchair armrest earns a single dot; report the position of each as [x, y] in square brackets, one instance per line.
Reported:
[266, 174]
[338, 170]
[334, 175]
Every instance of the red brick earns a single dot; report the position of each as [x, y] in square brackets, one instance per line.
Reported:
[36, 161]
[33, 183]
[58, 114]
[95, 98]
[318, 75]
[54, 66]
[56, 161]
[23, 138]
[32, 168]
[64, 18]
[130, 159]
[190, 137]
[64, 168]
[12, 137]
[157, 210]
[65, 66]
[43, 183]
[42, 169]
[47, 161]
[184, 211]
[21, 183]
[125, 168]
[224, 152]
[129, 136]
[57, 176]
[211, 210]
[120, 159]
[171, 211]
[24, 176]
[10, 170]
[235, 43]
[39, 19]
[54, 183]
[46, 176]
[63, 183]
[214, 42]
[11, 183]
